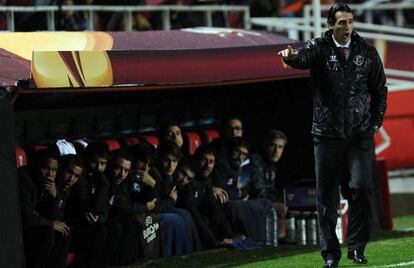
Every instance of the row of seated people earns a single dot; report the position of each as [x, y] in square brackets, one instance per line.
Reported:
[191, 141]
[96, 204]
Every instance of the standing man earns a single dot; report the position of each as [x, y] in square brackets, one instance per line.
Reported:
[349, 103]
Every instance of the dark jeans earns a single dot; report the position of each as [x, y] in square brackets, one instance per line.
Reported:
[89, 243]
[336, 161]
[121, 243]
[44, 247]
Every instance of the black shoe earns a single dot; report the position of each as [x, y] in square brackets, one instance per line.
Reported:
[357, 257]
[330, 262]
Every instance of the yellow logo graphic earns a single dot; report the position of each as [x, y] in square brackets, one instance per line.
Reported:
[71, 69]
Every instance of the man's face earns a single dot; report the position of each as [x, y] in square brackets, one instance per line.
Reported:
[235, 128]
[71, 175]
[169, 164]
[98, 164]
[238, 155]
[49, 169]
[174, 134]
[207, 163]
[275, 149]
[343, 27]
[184, 176]
[120, 170]
[143, 165]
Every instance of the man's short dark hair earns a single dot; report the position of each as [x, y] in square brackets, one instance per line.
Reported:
[187, 163]
[237, 142]
[273, 134]
[144, 151]
[163, 130]
[203, 150]
[71, 160]
[169, 148]
[95, 150]
[336, 8]
[122, 153]
[40, 157]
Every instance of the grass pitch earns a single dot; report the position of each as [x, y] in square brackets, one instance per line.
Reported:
[386, 249]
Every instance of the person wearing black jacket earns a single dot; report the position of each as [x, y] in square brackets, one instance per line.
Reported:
[265, 164]
[349, 103]
[122, 227]
[90, 235]
[234, 175]
[195, 194]
[45, 233]
[173, 220]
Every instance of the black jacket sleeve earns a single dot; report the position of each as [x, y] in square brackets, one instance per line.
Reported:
[186, 201]
[306, 56]
[378, 90]
[28, 202]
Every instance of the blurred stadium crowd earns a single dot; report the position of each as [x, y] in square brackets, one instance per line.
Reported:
[107, 21]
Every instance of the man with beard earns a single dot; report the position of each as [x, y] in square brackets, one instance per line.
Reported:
[90, 236]
[122, 228]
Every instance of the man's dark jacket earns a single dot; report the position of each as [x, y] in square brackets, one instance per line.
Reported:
[347, 98]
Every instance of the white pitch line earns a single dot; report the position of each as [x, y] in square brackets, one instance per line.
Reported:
[401, 264]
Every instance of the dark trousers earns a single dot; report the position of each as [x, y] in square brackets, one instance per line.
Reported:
[336, 161]
[89, 240]
[45, 248]
[121, 243]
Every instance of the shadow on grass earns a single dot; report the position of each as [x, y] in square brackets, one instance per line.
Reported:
[224, 258]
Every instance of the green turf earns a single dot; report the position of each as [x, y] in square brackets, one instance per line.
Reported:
[386, 248]
[404, 222]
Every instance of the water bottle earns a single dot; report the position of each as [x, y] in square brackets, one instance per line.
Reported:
[311, 230]
[290, 229]
[301, 230]
[271, 228]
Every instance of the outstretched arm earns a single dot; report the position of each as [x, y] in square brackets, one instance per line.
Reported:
[288, 53]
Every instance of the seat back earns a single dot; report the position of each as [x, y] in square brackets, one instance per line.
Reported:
[21, 157]
[131, 141]
[112, 144]
[151, 139]
[193, 141]
[209, 135]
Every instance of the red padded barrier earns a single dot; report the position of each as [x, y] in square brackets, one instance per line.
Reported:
[21, 157]
[130, 141]
[193, 141]
[209, 135]
[152, 140]
[385, 208]
[112, 144]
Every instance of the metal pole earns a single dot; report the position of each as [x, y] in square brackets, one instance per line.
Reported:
[208, 16]
[369, 17]
[166, 24]
[247, 23]
[307, 13]
[10, 21]
[317, 18]
[128, 20]
[91, 24]
[51, 20]
[399, 16]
